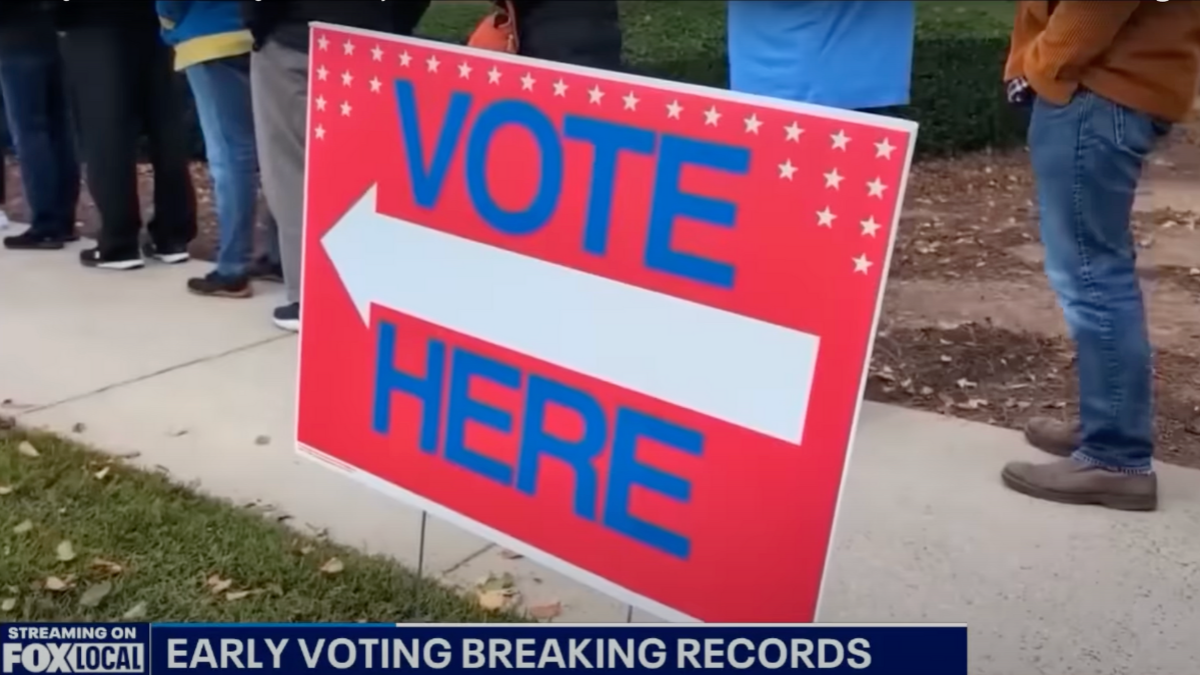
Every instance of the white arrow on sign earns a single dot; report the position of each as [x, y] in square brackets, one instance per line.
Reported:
[741, 370]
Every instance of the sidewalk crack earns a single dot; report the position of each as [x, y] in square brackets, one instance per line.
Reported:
[141, 378]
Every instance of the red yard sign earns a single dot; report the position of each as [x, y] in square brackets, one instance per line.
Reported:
[616, 323]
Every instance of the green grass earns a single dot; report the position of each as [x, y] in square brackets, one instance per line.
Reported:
[981, 16]
[140, 547]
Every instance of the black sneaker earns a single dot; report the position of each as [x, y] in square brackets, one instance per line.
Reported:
[265, 270]
[221, 286]
[287, 317]
[94, 257]
[171, 254]
[35, 241]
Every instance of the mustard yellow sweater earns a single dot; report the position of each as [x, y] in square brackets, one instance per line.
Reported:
[1139, 53]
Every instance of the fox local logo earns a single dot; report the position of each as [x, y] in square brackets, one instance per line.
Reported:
[73, 649]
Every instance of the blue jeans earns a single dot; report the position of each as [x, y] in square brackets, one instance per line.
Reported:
[39, 119]
[221, 89]
[1087, 157]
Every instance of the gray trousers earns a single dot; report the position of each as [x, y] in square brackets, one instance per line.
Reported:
[279, 87]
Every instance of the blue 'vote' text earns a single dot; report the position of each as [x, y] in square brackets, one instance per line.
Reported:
[608, 140]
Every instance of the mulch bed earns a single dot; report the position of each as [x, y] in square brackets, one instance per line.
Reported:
[986, 374]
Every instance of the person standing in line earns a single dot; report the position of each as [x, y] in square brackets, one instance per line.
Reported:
[39, 123]
[579, 32]
[850, 54]
[279, 87]
[121, 74]
[1105, 81]
[212, 48]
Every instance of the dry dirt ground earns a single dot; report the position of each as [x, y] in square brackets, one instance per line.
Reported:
[970, 327]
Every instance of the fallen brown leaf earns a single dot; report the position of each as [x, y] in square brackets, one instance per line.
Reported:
[497, 599]
[5, 490]
[102, 473]
[95, 594]
[333, 566]
[23, 527]
[65, 552]
[8, 604]
[217, 585]
[138, 611]
[546, 611]
[106, 566]
[232, 596]
[55, 584]
[27, 449]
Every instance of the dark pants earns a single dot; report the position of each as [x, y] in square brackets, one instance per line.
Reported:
[5, 145]
[39, 122]
[5, 138]
[579, 32]
[124, 85]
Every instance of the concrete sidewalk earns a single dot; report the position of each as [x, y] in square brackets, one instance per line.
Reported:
[927, 533]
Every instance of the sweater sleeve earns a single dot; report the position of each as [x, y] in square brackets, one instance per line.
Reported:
[172, 12]
[1078, 32]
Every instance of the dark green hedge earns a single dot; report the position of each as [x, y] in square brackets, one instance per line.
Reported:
[957, 96]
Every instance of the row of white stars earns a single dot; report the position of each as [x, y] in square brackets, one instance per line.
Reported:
[825, 218]
[674, 110]
[833, 179]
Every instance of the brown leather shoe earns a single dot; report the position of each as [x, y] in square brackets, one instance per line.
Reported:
[1073, 482]
[1056, 437]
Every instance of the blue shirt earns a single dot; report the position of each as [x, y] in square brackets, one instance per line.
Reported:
[841, 53]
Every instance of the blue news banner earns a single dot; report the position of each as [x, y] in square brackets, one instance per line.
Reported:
[347, 649]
